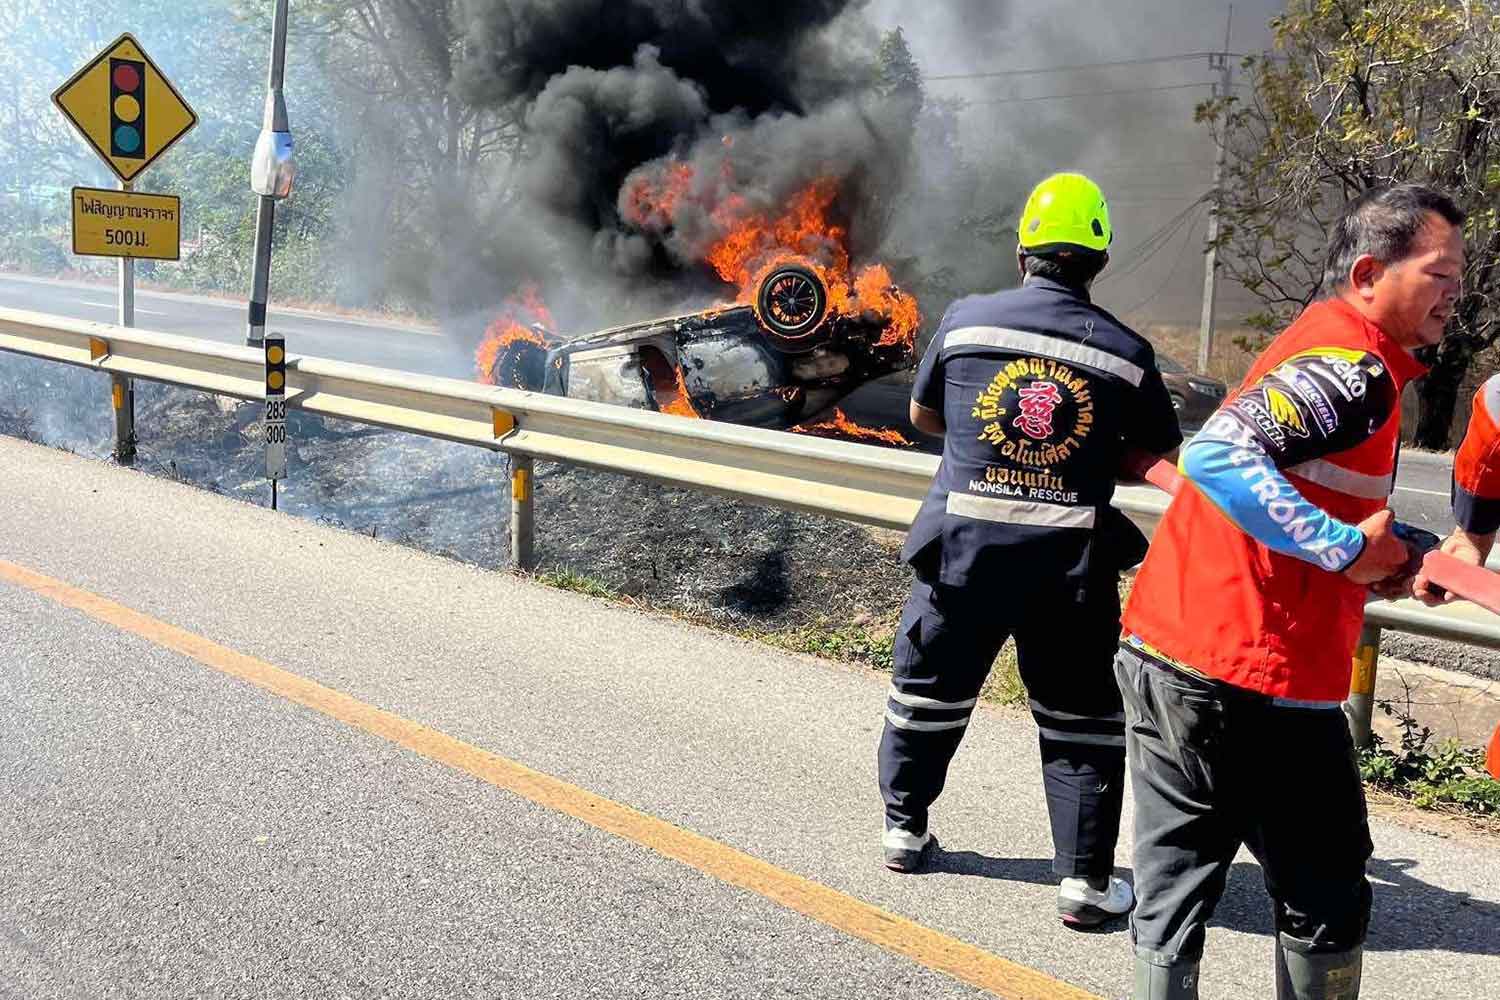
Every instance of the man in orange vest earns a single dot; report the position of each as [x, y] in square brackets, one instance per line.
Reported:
[1244, 617]
[1476, 505]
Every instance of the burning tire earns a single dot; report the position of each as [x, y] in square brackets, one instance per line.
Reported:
[520, 365]
[792, 302]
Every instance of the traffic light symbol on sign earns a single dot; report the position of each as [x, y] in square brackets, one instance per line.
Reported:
[127, 108]
[275, 367]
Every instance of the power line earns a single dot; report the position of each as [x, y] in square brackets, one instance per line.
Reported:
[1095, 93]
[1142, 253]
[1148, 61]
[1176, 266]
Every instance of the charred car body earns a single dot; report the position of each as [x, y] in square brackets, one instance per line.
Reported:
[775, 363]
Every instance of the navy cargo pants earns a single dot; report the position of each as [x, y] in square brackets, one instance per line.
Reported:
[948, 640]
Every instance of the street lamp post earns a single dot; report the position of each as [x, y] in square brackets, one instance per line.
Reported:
[272, 172]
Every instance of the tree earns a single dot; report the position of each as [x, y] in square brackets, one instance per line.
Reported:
[1361, 94]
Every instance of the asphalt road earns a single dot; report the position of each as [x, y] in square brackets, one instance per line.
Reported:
[413, 349]
[1422, 484]
[173, 830]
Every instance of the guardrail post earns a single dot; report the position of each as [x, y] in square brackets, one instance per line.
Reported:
[1360, 708]
[522, 512]
[122, 396]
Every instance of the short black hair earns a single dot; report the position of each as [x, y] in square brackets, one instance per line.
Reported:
[1074, 268]
[1384, 223]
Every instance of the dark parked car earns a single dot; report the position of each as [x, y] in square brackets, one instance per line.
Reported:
[1194, 396]
[778, 362]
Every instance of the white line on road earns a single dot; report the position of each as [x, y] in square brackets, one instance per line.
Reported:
[115, 305]
[1430, 493]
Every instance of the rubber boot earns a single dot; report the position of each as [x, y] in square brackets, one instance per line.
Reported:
[1178, 981]
[1309, 975]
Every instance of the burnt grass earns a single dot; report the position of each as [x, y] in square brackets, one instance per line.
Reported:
[735, 566]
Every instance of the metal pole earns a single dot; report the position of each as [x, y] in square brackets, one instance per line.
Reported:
[265, 216]
[1360, 708]
[121, 389]
[522, 512]
[1219, 61]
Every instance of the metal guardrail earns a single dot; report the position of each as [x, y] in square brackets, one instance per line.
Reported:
[875, 486]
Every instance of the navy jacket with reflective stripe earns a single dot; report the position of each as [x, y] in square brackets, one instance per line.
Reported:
[1042, 392]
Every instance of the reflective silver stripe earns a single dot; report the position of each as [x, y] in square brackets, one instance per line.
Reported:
[924, 727]
[1051, 347]
[1334, 477]
[1047, 515]
[1298, 703]
[917, 701]
[1094, 739]
[1053, 713]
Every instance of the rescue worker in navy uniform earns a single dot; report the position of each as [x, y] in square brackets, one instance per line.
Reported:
[1040, 395]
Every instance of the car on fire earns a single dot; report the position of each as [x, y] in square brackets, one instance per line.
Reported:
[782, 359]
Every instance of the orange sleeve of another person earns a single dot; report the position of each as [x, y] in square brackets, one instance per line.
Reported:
[1476, 467]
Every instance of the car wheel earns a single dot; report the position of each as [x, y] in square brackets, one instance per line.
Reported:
[792, 301]
[1178, 402]
[522, 364]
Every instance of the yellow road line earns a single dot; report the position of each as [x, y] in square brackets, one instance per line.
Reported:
[854, 917]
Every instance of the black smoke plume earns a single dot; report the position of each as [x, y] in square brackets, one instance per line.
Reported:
[760, 98]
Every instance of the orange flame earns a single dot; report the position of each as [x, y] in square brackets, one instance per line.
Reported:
[840, 425]
[680, 404]
[753, 243]
[513, 324]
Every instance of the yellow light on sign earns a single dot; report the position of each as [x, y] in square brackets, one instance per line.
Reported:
[124, 224]
[275, 380]
[275, 354]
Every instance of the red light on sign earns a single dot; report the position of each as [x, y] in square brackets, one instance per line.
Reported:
[127, 78]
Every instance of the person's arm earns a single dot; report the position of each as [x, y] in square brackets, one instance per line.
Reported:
[1476, 490]
[925, 420]
[1315, 404]
[1151, 430]
[927, 391]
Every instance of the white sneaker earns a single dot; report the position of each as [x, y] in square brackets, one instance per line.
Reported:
[1081, 906]
[904, 852]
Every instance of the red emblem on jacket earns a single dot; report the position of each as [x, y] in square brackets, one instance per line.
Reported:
[1038, 401]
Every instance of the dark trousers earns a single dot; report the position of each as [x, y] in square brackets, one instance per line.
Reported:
[947, 642]
[1213, 767]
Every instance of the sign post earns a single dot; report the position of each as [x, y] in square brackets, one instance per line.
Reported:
[130, 114]
[275, 420]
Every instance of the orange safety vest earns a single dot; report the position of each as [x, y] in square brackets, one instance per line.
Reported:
[1213, 598]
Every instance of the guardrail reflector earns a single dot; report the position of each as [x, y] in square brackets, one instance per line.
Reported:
[504, 422]
[520, 485]
[97, 348]
[117, 394]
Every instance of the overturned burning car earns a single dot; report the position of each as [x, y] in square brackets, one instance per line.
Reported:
[803, 342]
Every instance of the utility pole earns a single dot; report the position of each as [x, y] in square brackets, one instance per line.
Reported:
[1222, 90]
[272, 171]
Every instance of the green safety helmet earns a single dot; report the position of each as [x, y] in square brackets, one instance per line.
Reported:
[1065, 212]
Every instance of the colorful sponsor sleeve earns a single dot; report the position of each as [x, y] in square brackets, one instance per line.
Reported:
[1314, 404]
[1476, 467]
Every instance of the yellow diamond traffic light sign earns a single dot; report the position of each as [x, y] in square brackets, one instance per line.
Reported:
[125, 107]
